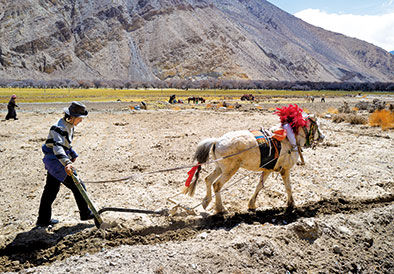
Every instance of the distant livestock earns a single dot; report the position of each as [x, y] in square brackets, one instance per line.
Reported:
[195, 100]
[310, 99]
[247, 97]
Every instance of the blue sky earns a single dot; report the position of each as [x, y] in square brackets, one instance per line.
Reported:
[368, 20]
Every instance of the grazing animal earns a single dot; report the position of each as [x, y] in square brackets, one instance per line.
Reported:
[195, 100]
[247, 97]
[246, 154]
[310, 99]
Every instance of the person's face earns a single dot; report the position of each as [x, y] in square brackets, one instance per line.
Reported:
[76, 120]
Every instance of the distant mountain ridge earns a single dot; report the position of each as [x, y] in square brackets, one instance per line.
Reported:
[144, 40]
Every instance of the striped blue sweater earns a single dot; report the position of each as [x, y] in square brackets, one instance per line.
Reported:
[57, 149]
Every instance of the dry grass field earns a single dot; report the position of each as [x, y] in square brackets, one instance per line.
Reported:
[34, 95]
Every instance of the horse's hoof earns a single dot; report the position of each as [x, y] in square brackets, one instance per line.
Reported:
[290, 208]
[251, 209]
[220, 211]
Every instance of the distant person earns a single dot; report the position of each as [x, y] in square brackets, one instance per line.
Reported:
[58, 159]
[172, 99]
[11, 108]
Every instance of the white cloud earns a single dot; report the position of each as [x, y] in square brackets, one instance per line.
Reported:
[375, 29]
[388, 3]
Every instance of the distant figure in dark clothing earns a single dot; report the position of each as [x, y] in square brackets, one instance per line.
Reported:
[11, 108]
[172, 99]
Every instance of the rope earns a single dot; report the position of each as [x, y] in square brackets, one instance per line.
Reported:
[226, 188]
[173, 169]
[170, 169]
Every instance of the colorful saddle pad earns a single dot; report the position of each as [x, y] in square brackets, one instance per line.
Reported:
[269, 148]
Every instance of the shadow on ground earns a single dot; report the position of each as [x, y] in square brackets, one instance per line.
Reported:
[42, 247]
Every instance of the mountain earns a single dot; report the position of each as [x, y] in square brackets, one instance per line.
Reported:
[144, 40]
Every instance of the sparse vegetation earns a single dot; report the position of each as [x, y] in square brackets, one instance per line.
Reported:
[353, 119]
[339, 118]
[332, 110]
[382, 118]
[344, 108]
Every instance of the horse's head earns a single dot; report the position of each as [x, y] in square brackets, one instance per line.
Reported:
[312, 131]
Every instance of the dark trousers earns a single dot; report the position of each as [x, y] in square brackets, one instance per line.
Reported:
[49, 194]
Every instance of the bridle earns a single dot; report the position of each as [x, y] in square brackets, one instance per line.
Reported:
[310, 135]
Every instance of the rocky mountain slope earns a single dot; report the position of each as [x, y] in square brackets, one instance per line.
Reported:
[183, 39]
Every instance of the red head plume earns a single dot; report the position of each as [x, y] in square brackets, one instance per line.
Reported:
[291, 115]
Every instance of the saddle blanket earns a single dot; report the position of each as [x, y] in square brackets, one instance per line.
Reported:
[269, 148]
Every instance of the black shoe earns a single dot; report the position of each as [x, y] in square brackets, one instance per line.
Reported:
[89, 216]
[51, 222]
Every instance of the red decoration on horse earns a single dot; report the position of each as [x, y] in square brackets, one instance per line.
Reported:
[292, 115]
[191, 173]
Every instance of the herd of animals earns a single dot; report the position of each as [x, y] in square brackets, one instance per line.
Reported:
[244, 97]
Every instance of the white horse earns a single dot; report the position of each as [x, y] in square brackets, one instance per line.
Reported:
[240, 149]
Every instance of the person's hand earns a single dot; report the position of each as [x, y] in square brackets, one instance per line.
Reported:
[69, 169]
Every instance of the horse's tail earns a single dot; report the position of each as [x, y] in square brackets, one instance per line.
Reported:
[202, 156]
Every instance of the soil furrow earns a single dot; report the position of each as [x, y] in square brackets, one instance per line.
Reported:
[38, 247]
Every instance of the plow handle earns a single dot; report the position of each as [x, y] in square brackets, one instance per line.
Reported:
[97, 219]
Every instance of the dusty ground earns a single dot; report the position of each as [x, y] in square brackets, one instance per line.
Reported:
[343, 220]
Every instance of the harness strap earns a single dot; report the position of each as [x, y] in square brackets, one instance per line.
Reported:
[311, 134]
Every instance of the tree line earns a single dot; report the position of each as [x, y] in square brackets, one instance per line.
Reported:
[200, 84]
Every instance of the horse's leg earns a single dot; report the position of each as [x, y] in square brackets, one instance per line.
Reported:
[260, 185]
[286, 180]
[217, 186]
[208, 181]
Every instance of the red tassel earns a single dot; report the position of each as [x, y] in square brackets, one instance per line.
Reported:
[191, 173]
[292, 115]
